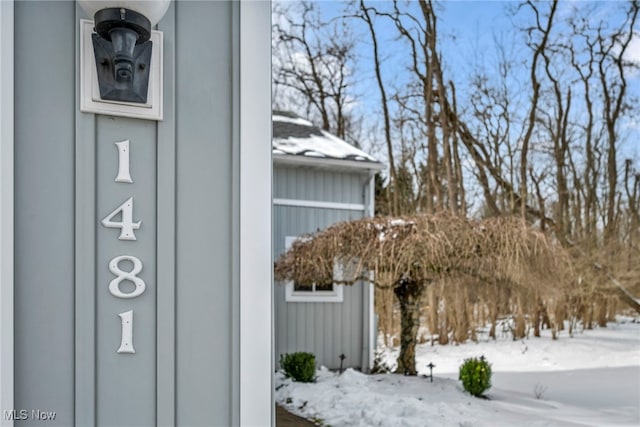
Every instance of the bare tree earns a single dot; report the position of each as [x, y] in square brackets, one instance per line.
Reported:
[313, 62]
[419, 134]
[612, 70]
[541, 28]
[540, 136]
[392, 196]
[411, 254]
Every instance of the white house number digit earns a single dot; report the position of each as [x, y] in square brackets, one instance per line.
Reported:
[121, 275]
[123, 162]
[126, 225]
[126, 343]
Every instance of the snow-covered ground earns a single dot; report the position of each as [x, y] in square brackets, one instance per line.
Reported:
[592, 379]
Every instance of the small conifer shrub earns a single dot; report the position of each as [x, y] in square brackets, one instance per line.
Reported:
[475, 374]
[299, 366]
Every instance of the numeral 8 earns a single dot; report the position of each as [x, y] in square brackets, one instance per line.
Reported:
[132, 276]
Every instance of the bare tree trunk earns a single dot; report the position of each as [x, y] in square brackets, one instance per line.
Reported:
[535, 87]
[519, 329]
[493, 314]
[591, 169]
[409, 295]
[433, 313]
[614, 97]
[633, 201]
[460, 193]
[537, 317]
[392, 193]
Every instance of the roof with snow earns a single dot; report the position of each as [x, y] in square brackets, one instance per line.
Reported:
[295, 136]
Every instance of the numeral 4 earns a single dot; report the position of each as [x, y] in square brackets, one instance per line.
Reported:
[126, 225]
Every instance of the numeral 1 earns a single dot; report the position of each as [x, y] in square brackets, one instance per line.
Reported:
[126, 343]
[123, 162]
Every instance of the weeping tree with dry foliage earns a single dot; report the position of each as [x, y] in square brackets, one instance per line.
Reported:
[411, 253]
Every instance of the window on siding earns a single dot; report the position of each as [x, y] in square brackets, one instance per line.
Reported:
[317, 292]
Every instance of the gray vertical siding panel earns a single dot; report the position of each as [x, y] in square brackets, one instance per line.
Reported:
[85, 266]
[366, 335]
[281, 323]
[302, 317]
[357, 314]
[44, 206]
[290, 327]
[326, 329]
[341, 327]
[126, 383]
[64, 314]
[204, 174]
[320, 319]
[310, 328]
[315, 184]
[166, 266]
[338, 329]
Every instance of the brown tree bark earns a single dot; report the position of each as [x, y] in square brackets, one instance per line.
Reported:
[392, 194]
[614, 90]
[409, 295]
[535, 88]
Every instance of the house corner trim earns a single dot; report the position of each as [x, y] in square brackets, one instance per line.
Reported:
[6, 208]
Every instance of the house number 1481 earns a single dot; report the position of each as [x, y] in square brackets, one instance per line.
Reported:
[127, 228]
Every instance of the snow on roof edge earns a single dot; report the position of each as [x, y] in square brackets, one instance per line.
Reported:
[326, 162]
[314, 142]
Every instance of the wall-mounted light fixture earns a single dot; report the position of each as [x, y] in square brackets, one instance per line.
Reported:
[121, 46]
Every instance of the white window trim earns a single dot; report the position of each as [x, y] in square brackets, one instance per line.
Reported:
[291, 295]
[320, 204]
[6, 209]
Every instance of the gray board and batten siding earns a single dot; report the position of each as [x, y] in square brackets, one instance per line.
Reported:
[312, 192]
[189, 193]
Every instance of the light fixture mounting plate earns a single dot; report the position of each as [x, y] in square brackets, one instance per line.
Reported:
[90, 98]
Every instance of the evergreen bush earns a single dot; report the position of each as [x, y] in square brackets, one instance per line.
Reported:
[475, 374]
[299, 366]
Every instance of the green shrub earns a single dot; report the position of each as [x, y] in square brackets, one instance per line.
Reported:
[299, 366]
[475, 374]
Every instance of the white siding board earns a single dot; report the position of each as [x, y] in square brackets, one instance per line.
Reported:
[6, 209]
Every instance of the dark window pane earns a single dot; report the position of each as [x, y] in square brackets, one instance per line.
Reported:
[299, 287]
[324, 287]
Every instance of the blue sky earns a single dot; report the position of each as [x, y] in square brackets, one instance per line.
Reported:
[468, 31]
[468, 28]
